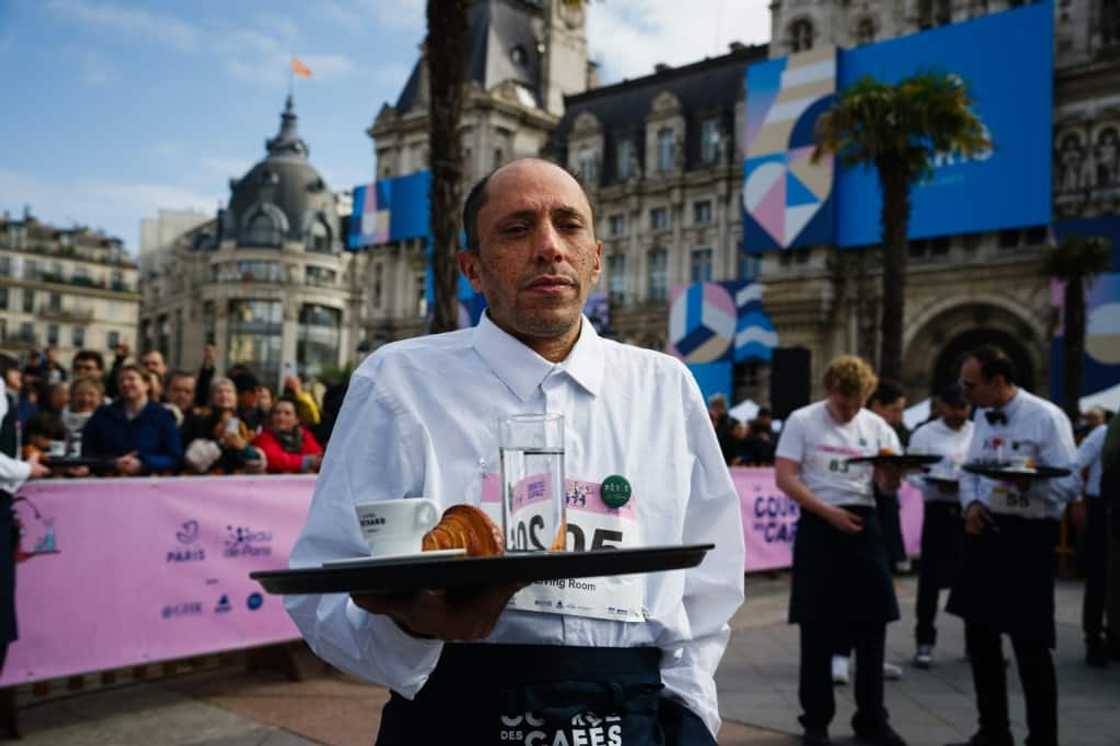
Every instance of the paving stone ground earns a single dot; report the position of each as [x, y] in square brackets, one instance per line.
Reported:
[757, 687]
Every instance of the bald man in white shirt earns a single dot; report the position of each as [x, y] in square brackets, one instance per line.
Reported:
[418, 420]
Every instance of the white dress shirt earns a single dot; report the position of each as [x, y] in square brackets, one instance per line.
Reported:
[1089, 457]
[13, 472]
[822, 446]
[419, 419]
[938, 439]
[1035, 429]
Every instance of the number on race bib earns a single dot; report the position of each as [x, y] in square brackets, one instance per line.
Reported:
[839, 466]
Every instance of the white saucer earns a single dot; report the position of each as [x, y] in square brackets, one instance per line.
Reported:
[414, 555]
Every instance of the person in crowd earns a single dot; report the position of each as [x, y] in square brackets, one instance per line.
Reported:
[58, 396]
[1110, 494]
[760, 437]
[265, 400]
[724, 425]
[1094, 418]
[742, 455]
[1095, 551]
[44, 437]
[942, 550]
[155, 387]
[1007, 583]
[217, 440]
[180, 394]
[23, 399]
[206, 372]
[89, 364]
[120, 358]
[246, 385]
[134, 433]
[152, 361]
[86, 395]
[332, 404]
[842, 594]
[416, 422]
[53, 371]
[13, 474]
[289, 447]
[306, 407]
[889, 402]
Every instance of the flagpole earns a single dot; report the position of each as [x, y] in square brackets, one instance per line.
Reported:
[291, 76]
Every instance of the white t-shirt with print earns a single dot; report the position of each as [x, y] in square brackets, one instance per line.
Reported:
[822, 446]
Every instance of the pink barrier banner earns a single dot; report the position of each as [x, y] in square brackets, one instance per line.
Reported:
[130, 571]
[770, 519]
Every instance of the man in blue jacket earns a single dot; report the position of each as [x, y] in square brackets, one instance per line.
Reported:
[134, 434]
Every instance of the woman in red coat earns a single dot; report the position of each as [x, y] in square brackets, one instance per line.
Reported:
[289, 447]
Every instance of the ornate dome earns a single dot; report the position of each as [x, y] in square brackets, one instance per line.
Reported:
[283, 198]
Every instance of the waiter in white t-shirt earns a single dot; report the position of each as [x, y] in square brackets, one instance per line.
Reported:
[947, 436]
[842, 587]
[1011, 526]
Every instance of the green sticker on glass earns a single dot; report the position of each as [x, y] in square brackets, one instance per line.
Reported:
[615, 491]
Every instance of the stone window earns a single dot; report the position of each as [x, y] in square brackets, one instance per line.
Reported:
[1110, 22]
[317, 342]
[702, 212]
[320, 276]
[616, 278]
[378, 281]
[627, 160]
[3, 298]
[709, 141]
[865, 31]
[52, 335]
[658, 275]
[616, 224]
[78, 337]
[801, 35]
[319, 237]
[659, 218]
[112, 339]
[701, 265]
[665, 149]
[28, 300]
[587, 165]
[262, 231]
[255, 335]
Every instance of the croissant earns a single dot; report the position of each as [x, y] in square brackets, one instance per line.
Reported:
[468, 527]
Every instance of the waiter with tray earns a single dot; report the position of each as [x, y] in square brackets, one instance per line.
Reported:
[942, 529]
[1019, 477]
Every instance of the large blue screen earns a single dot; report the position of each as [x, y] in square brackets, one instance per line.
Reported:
[1008, 63]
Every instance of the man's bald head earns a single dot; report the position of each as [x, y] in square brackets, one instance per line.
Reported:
[476, 199]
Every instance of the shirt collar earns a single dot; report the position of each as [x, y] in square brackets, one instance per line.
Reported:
[522, 370]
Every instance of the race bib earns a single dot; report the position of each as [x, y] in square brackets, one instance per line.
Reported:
[591, 524]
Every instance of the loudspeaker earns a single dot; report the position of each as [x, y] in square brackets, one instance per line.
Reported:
[789, 380]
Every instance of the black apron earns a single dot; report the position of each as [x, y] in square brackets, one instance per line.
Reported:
[538, 695]
[838, 577]
[942, 543]
[1008, 578]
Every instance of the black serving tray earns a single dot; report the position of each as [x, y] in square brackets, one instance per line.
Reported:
[1006, 471]
[413, 573]
[906, 460]
[58, 462]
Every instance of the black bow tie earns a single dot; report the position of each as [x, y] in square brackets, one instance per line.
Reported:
[996, 417]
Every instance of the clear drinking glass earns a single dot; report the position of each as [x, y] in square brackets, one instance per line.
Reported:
[532, 464]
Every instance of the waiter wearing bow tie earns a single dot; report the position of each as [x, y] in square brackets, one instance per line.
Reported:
[1011, 527]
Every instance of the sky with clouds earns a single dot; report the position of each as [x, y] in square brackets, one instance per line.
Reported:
[117, 108]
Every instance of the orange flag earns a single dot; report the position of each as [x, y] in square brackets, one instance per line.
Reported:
[300, 69]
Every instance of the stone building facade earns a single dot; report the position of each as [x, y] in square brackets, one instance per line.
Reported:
[524, 57]
[962, 290]
[70, 288]
[265, 280]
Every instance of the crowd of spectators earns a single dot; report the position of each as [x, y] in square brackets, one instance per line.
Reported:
[748, 443]
[140, 418]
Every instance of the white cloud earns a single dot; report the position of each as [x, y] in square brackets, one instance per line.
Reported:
[164, 29]
[628, 37]
[360, 16]
[96, 70]
[115, 206]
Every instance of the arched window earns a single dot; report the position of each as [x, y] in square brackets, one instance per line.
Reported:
[262, 231]
[319, 237]
[865, 32]
[665, 149]
[801, 35]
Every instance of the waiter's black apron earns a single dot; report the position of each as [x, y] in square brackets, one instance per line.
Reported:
[1008, 578]
[841, 578]
[942, 543]
[537, 695]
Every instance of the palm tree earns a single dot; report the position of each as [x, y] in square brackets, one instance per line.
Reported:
[1076, 262]
[446, 53]
[899, 130]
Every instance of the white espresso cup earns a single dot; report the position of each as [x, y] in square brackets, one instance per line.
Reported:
[393, 527]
